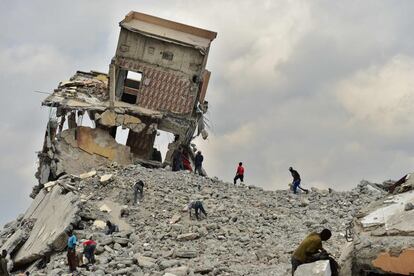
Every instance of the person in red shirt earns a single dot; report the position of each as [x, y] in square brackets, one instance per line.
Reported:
[89, 247]
[239, 173]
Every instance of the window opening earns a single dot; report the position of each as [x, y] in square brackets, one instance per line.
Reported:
[121, 135]
[131, 87]
[162, 140]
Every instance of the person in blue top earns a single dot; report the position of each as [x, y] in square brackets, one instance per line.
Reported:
[72, 260]
[296, 181]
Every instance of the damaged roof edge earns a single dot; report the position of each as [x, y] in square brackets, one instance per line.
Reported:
[200, 46]
[169, 24]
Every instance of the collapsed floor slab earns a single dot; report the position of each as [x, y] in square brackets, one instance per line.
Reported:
[51, 214]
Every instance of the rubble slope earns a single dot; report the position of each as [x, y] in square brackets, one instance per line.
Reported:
[248, 231]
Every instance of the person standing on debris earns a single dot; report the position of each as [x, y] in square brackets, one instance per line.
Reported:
[72, 259]
[3, 264]
[198, 163]
[310, 250]
[239, 173]
[178, 160]
[198, 207]
[89, 247]
[138, 191]
[296, 181]
[111, 228]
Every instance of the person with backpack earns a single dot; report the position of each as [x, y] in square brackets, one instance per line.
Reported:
[239, 173]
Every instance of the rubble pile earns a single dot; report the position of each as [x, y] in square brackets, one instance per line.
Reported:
[248, 231]
[89, 84]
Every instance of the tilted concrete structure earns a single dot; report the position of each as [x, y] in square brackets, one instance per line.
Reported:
[157, 80]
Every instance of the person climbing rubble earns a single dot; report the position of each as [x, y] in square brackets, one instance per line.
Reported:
[3, 264]
[197, 205]
[239, 173]
[89, 247]
[296, 181]
[198, 163]
[310, 250]
[138, 191]
[111, 228]
[71, 254]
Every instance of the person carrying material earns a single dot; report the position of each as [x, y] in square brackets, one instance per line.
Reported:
[89, 247]
[296, 181]
[239, 174]
[198, 207]
[3, 264]
[198, 163]
[310, 250]
[71, 254]
[138, 190]
[111, 228]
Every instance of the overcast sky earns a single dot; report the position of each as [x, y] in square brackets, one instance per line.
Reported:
[323, 86]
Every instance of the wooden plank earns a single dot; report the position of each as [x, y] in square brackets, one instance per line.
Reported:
[131, 91]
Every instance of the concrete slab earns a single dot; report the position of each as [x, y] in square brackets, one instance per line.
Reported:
[386, 215]
[52, 212]
[319, 268]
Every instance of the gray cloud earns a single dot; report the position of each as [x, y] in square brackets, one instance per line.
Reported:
[301, 83]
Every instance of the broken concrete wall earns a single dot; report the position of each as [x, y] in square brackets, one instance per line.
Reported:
[110, 119]
[383, 237]
[78, 150]
[171, 58]
[51, 213]
[82, 149]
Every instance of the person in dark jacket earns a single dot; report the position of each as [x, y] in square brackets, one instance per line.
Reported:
[111, 228]
[296, 181]
[198, 163]
[239, 173]
[177, 164]
[138, 190]
[3, 264]
[198, 208]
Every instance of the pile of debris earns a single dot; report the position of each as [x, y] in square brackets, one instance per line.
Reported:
[382, 234]
[85, 178]
[248, 231]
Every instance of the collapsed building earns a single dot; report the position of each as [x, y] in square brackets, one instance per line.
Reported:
[157, 80]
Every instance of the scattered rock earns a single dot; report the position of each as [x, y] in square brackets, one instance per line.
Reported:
[105, 178]
[87, 175]
[188, 236]
[145, 262]
[105, 208]
[176, 218]
[408, 206]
